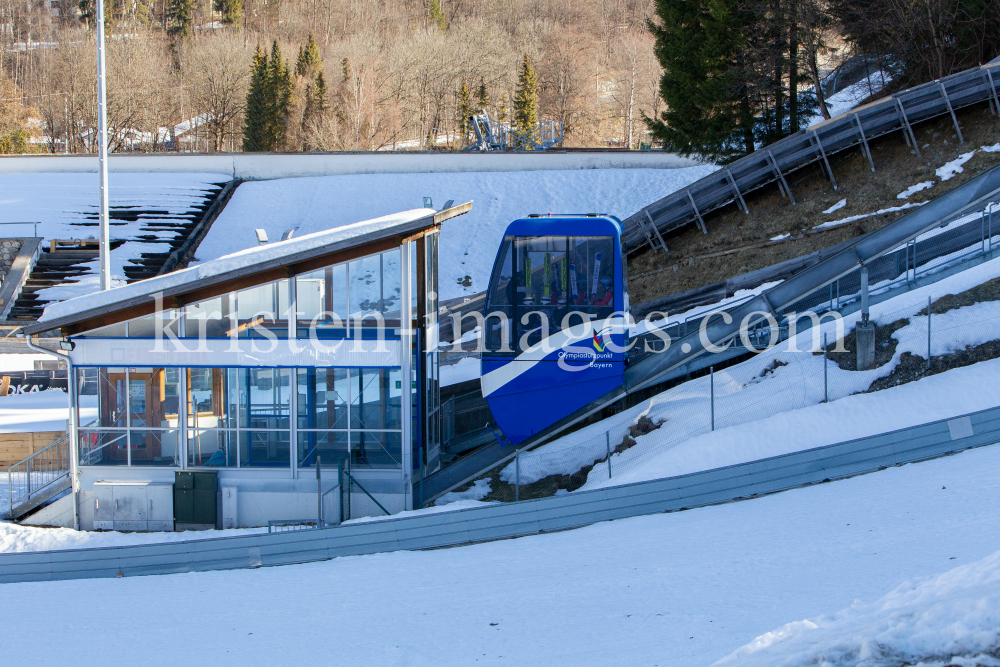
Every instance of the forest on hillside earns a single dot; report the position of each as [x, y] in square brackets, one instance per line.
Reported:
[343, 75]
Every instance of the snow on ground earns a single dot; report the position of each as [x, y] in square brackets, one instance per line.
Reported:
[948, 170]
[753, 411]
[468, 243]
[843, 221]
[913, 189]
[850, 97]
[950, 619]
[780, 237]
[66, 206]
[29, 538]
[43, 411]
[479, 490]
[836, 207]
[685, 588]
[21, 362]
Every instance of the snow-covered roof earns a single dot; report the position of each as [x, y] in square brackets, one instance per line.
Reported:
[250, 267]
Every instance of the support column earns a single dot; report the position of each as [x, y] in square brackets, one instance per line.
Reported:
[74, 439]
[865, 329]
[781, 178]
[993, 87]
[405, 371]
[864, 142]
[736, 189]
[822, 154]
[947, 100]
[697, 213]
[907, 130]
[293, 387]
[656, 232]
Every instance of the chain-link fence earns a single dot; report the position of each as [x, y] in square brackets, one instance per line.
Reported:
[912, 341]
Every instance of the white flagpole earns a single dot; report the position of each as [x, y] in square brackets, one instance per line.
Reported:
[102, 138]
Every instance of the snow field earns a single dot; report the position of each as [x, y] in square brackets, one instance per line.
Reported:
[685, 588]
[470, 242]
[950, 619]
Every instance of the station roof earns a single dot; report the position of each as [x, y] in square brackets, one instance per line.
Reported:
[242, 270]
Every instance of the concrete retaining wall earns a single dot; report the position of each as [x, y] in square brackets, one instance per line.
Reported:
[260, 166]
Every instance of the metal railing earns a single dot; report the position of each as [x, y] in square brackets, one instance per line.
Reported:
[38, 473]
[772, 163]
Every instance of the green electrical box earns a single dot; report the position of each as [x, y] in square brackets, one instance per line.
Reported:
[195, 499]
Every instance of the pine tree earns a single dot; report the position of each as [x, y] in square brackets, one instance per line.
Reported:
[279, 80]
[321, 96]
[463, 109]
[482, 97]
[526, 99]
[180, 15]
[437, 15]
[255, 118]
[309, 58]
[345, 68]
[704, 83]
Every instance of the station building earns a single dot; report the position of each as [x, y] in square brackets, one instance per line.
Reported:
[255, 366]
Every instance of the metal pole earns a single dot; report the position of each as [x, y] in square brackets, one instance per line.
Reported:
[517, 476]
[864, 294]
[711, 382]
[102, 150]
[928, 333]
[826, 384]
[319, 493]
[607, 436]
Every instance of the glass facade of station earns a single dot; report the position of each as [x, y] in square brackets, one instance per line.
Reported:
[238, 417]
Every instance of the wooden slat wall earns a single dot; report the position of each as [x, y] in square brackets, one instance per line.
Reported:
[16, 446]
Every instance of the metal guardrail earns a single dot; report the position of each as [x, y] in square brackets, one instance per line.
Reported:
[529, 517]
[20, 270]
[774, 162]
[37, 474]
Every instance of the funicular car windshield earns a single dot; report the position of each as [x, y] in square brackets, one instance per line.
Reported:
[539, 280]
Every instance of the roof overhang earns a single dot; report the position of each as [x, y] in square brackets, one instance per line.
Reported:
[140, 298]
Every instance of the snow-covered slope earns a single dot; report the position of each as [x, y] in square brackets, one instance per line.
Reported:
[468, 243]
[680, 589]
[952, 619]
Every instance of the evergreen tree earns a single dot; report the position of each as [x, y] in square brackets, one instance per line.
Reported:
[345, 68]
[708, 111]
[255, 118]
[309, 58]
[482, 97]
[463, 109]
[280, 96]
[269, 101]
[180, 15]
[437, 15]
[321, 95]
[526, 99]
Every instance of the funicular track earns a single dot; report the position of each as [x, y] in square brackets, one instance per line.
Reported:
[831, 284]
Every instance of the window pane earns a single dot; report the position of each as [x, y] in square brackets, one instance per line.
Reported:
[208, 319]
[391, 284]
[103, 448]
[212, 448]
[263, 307]
[330, 446]
[373, 449]
[154, 448]
[370, 406]
[145, 327]
[365, 286]
[111, 397]
[323, 396]
[264, 448]
[264, 397]
[153, 396]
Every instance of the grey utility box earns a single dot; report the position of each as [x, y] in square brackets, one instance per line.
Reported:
[133, 506]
